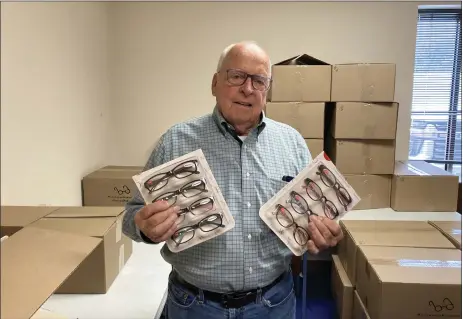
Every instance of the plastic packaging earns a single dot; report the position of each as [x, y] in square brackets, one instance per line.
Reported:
[188, 182]
[319, 189]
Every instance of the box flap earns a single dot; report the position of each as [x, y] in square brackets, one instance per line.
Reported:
[35, 262]
[86, 211]
[341, 272]
[96, 227]
[118, 167]
[419, 168]
[302, 59]
[23, 215]
[415, 265]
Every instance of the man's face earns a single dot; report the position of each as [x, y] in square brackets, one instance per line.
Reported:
[241, 105]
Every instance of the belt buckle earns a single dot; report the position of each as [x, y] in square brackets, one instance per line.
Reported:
[230, 301]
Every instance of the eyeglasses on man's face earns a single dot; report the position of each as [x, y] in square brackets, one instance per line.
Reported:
[207, 224]
[190, 189]
[180, 171]
[238, 77]
[286, 220]
[315, 193]
[330, 180]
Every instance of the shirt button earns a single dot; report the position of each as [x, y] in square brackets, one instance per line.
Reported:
[250, 269]
[247, 174]
[249, 204]
[249, 236]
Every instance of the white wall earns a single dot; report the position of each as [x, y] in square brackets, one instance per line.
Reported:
[60, 120]
[165, 54]
[54, 101]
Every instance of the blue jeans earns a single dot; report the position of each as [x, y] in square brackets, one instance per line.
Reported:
[279, 302]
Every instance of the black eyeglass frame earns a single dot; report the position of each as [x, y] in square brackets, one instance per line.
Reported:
[307, 211]
[253, 77]
[338, 188]
[292, 224]
[166, 176]
[167, 196]
[190, 208]
[322, 198]
[193, 228]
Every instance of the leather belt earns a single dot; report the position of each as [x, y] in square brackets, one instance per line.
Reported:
[229, 300]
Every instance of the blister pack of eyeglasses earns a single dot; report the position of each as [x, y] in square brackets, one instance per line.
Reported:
[320, 189]
[188, 182]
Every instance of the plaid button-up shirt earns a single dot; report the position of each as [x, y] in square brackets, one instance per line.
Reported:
[249, 173]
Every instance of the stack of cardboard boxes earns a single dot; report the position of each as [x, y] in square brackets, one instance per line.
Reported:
[363, 123]
[382, 269]
[350, 112]
[300, 89]
[398, 269]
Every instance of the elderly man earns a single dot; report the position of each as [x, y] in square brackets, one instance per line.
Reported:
[244, 273]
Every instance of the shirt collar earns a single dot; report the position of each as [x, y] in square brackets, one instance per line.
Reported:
[224, 126]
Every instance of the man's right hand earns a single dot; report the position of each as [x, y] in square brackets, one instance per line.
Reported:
[157, 221]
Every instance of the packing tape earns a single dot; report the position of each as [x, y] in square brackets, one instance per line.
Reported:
[422, 263]
[455, 231]
[118, 229]
[368, 161]
[121, 257]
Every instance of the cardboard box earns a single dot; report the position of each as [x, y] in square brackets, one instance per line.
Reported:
[422, 187]
[315, 146]
[450, 229]
[367, 82]
[14, 218]
[360, 120]
[406, 282]
[376, 157]
[343, 291]
[359, 310]
[307, 118]
[374, 190]
[34, 264]
[109, 186]
[385, 233]
[97, 273]
[300, 79]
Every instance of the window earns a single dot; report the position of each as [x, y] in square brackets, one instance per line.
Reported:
[435, 134]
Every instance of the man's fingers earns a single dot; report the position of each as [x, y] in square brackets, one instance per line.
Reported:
[157, 227]
[151, 209]
[167, 235]
[316, 235]
[312, 248]
[324, 231]
[333, 226]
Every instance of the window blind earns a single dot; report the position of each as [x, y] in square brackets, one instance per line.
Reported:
[435, 134]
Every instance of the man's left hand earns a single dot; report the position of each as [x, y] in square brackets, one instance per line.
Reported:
[324, 233]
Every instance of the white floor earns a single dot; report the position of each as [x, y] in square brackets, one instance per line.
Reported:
[139, 291]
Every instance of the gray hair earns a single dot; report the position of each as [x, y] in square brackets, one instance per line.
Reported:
[227, 50]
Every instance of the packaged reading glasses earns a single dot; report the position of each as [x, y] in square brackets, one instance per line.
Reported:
[318, 190]
[188, 182]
